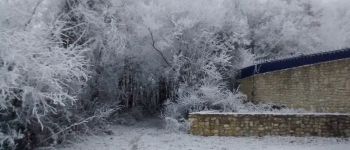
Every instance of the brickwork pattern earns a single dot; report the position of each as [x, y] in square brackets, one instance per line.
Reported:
[323, 87]
[325, 125]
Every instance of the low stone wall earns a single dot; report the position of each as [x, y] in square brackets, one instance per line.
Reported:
[236, 124]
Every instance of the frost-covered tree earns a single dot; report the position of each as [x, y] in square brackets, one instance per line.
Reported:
[281, 28]
[40, 78]
[145, 56]
[202, 50]
[334, 27]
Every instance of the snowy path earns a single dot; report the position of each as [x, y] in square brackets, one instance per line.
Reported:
[150, 136]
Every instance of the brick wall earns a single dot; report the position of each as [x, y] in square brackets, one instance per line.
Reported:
[323, 87]
[326, 125]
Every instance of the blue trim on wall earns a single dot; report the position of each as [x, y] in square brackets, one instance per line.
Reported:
[294, 62]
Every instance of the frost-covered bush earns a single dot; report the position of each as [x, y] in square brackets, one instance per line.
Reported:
[208, 97]
[202, 70]
[9, 138]
[40, 79]
[38, 76]
[38, 73]
[175, 125]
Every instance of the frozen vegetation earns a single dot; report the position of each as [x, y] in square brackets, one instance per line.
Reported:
[71, 67]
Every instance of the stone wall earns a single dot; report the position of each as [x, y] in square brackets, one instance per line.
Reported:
[323, 87]
[326, 125]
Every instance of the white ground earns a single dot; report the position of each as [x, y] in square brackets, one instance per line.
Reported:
[149, 135]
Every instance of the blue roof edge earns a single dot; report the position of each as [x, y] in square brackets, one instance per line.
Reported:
[293, 62]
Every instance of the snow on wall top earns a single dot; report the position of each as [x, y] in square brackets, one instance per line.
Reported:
[266, 113]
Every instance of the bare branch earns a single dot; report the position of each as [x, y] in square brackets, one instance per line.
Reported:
[155, 48]
[84, 121]
[33, 13]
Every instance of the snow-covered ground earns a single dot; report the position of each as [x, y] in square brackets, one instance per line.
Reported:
[149, 135]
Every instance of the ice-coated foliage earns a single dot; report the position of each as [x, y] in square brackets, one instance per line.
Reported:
[62, 63]
[39, 79]
[38, 76]
[37, 73]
